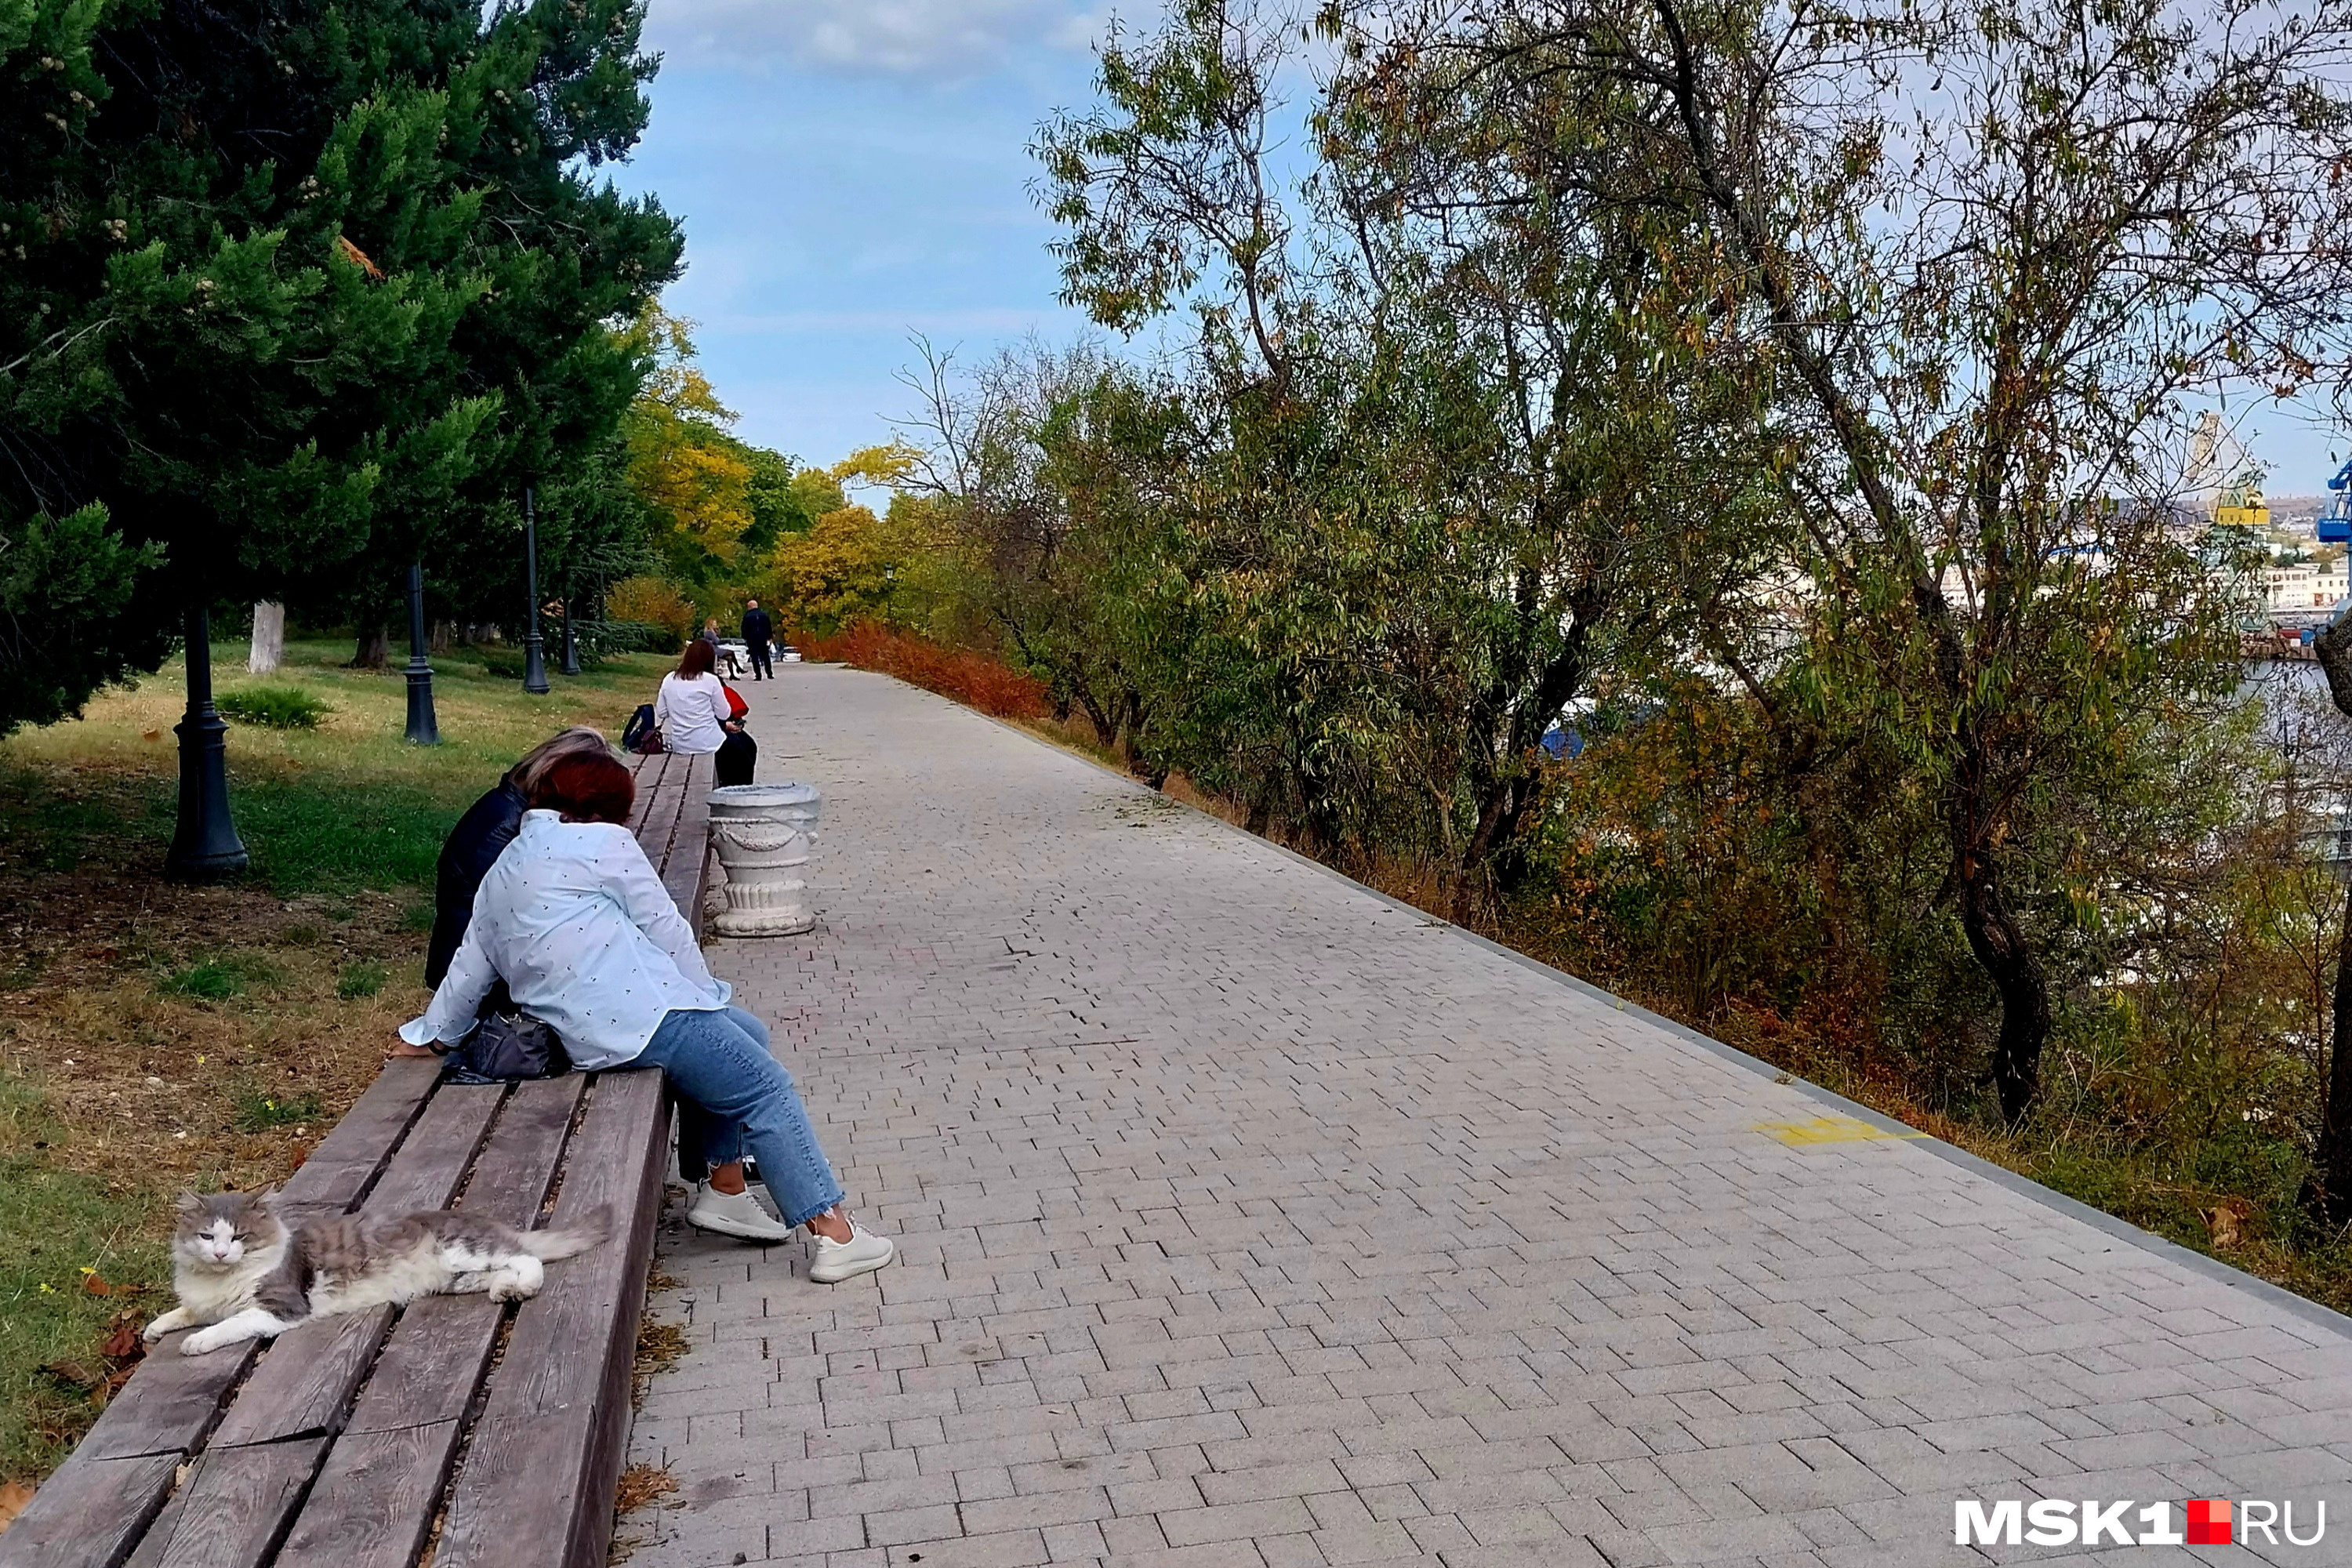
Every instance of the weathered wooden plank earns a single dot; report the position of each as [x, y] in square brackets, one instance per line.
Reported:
[169, 1403]
[522, 1493]
[682, 867]
[435, 1358]
[305, 1380]
[356, 1148]
[515, 1169]
[89, 1514]
[373, 1502]
[432, 1162]
[238, 1503]
[670, 800]
[551, 1359]
[554, 1431]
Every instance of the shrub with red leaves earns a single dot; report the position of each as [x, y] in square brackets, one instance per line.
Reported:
[972, 678]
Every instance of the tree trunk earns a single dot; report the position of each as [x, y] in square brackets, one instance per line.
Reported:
[2328, 1193]
[2017, 978]
[374, 643]
[268, 647]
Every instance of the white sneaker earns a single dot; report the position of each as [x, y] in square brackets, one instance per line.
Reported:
[863, 1253]
[737, 1214]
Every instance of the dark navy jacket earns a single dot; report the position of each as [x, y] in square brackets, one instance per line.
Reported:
[758, 628]
[472, 847]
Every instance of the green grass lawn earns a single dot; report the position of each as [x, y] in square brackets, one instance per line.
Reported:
[159, 1035]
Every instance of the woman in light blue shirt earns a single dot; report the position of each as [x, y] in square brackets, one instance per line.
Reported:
[574, 920]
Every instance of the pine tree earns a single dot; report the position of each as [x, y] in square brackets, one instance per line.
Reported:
[292, 293]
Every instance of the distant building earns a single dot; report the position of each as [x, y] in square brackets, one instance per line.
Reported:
[2303, 586]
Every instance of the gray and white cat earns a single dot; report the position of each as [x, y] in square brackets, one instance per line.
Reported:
[242, 1273]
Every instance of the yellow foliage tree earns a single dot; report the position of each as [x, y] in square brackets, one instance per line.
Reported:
[653, 602]
[690, 472]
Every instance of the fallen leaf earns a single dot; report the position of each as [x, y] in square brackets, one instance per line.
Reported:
[78, 1375]
[96, 1286]
[123, 1343]
[14, 1496]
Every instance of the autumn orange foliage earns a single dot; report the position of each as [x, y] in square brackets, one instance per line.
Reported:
[972, 678]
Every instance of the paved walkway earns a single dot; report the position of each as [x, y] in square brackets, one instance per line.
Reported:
[1247, 1218]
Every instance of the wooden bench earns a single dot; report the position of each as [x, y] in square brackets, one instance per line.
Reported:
[495, 1433]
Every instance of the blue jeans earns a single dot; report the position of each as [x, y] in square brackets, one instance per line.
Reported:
[734, 1093]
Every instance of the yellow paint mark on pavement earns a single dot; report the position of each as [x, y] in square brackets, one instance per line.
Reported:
[1828, 1130]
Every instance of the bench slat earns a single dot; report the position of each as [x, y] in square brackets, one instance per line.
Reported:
[515, 1169]
[169, 1405]
[555, 1428]
[433, 1161]
[237, 1503]
[355, 1149]
[305, 1381]
[89, 1514]
[682, 872]
[381, 1486]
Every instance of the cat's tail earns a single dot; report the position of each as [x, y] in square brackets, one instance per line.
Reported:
[547, 1245]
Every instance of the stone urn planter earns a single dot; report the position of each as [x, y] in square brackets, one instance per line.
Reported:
[763, 834]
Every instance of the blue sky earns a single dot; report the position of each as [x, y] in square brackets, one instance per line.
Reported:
[854, 170]
[849, 172]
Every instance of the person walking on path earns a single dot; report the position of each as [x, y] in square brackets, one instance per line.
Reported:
[692, 711]
[576, 922]
[757, 631]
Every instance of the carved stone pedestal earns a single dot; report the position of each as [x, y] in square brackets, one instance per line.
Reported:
[764, 834]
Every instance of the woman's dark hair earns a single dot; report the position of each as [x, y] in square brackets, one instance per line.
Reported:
[587, 787]
[700, 658]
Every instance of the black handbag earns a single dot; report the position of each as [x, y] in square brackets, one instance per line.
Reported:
[503, 1047]
[642, 735]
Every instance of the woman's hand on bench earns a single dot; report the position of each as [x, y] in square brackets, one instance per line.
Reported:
[401, 1050]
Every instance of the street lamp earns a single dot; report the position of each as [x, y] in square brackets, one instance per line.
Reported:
[204, 845]
[422, 730]
[534, 656]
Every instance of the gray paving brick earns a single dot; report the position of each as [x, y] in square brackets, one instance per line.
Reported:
[1249, 1221]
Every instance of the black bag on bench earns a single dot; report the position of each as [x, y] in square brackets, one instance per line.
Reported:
[503, 1047]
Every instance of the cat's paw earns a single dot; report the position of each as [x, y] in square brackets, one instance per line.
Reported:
[174, 1319]
[509, 1288]
[201, 1343]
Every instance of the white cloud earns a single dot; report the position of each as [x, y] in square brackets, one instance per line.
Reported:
[897, 38]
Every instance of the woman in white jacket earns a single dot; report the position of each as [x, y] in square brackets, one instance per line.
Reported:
[695, 717]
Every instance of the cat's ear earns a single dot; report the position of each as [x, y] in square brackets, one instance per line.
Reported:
[267, 1198]
[187, 1202]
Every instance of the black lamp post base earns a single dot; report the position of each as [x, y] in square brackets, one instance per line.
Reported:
[204, 845]
[422, 728]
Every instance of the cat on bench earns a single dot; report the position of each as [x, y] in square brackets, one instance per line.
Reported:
[242, 1273]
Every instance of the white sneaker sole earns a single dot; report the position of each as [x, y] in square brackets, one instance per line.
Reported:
[720, 1225]
[841, 1271]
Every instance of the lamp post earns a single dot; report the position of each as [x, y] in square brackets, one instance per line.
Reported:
[204, 845]
[534, 654]
[422, 730]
